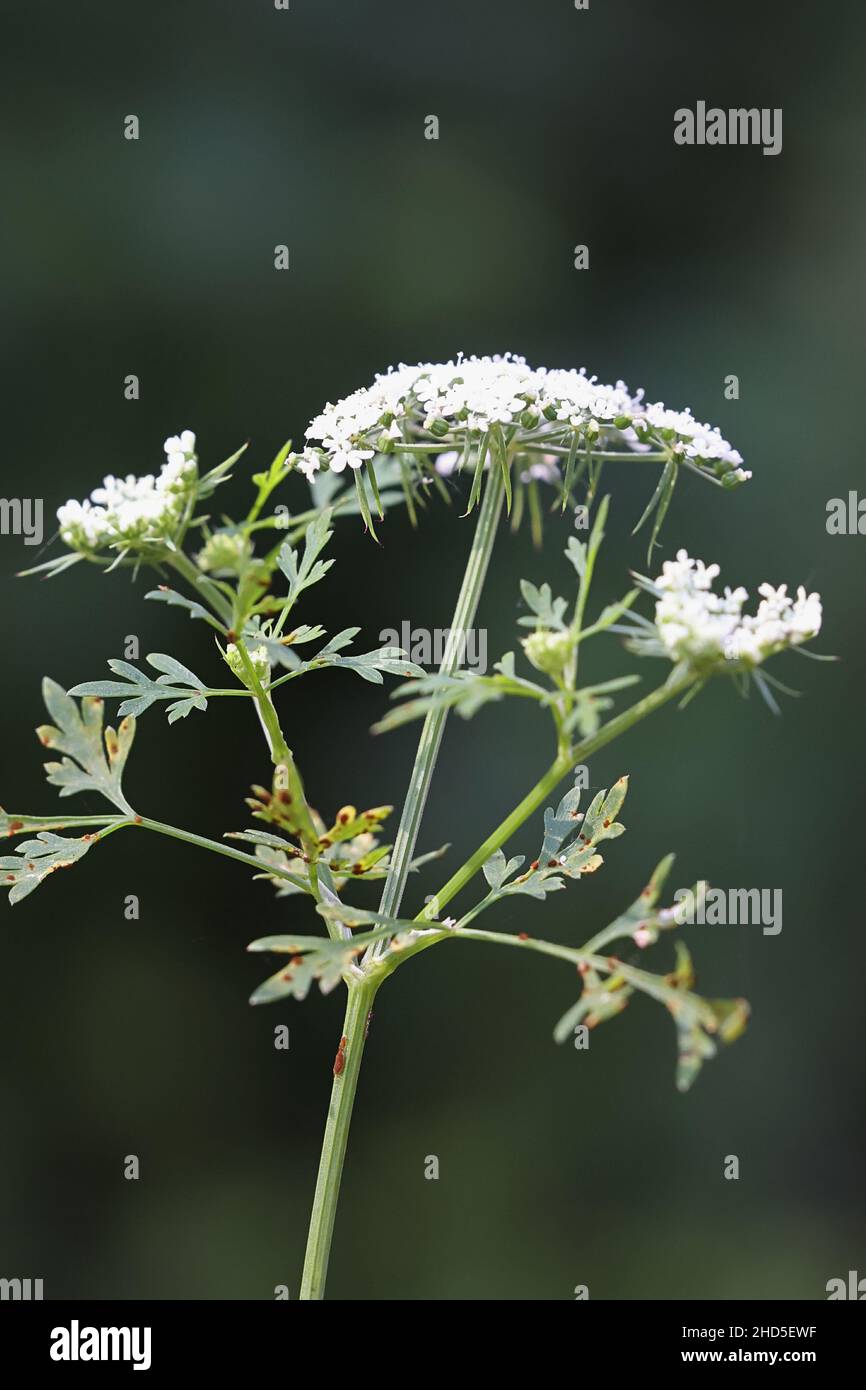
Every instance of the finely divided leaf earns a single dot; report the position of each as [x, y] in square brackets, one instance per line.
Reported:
[139, 690]
[35, 859]
[313, 958]
[308, 569]
[94, 761]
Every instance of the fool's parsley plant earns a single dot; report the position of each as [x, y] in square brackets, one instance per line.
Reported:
[527, 440]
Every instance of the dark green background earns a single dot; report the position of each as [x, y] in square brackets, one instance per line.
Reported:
[260, 127]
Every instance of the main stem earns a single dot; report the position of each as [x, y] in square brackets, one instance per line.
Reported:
[362, 992]
[358, 1006]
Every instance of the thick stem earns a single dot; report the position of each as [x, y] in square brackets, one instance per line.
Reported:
[358, 1006]
[362, 993]
[434, 724]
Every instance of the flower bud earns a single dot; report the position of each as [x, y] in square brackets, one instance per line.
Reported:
[224, 553]
[439, 428]
[259, 659]
[549, 652]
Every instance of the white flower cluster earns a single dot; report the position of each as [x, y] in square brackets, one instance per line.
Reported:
[697, 625]
[431, 401]
[131, 511]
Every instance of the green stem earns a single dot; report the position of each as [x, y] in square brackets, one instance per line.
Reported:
[434, 724]
[358, 1006]
[216, 847]
[566, 759]
[362, 992]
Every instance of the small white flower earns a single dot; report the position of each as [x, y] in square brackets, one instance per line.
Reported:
[126, 513]
[309, 463]
[697, 625]
[468, 395]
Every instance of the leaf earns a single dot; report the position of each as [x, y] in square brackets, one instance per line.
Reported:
[599, 1001]
[641, 915]
[392, 661]
[313, 959]
[557, 857]
[496, 869]
[548, 610]
[698, 1023]
[370, 666]
[463, 691]
[209, 482]
[575, 551]
[11, 825]
[35, 859]
[363, 503]
[309, 569]
[175, 600]
[569, 479]
[51, 568]
[281, 653]
[362, 858]
[94, 761]
[659, 503]
[475, 490]
[350, 823]
[139, 690]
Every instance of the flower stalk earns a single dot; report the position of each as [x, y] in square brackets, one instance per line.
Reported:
[434, 724]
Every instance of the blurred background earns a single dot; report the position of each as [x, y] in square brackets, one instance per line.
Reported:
[261, 127]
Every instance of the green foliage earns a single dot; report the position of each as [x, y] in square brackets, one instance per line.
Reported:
[463, 692]
[314, 959]
[371, 666]
[175, 600]
[547, 611]
[609, 983]
[568, 847]
[304, 571]
[39, 858]
[94, 761]
[139, 691]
